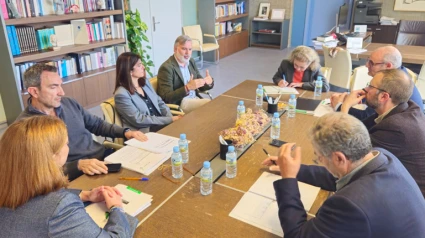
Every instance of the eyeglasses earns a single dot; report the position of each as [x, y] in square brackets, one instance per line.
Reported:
[368, 85]
[371, 63]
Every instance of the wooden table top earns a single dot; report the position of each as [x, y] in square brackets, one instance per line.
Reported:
[410, 53]
[190, 214]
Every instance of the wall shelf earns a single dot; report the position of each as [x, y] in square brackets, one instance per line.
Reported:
[229, 18]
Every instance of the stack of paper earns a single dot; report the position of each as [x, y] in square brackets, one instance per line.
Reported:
[134, 202]
[318, 45]
[323, 108]
[279, 90]
[388, 21]
[258, 206]
[156, 143]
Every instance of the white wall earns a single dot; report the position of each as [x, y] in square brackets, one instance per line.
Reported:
[2, 114]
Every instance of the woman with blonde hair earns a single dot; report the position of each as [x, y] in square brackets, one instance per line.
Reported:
[33, 198]
[300, 70]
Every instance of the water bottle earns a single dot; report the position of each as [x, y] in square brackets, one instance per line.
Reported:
[184, 148]
[275, 130]
[206, 179]
[318, 86]
[231, 162]
[176, 163]
[259, 96]
[240, 109]
[292, 105]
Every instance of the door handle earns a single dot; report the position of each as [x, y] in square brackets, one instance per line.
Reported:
[154, 23]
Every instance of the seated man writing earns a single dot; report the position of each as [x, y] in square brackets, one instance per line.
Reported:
[44, 85]
[179, 80]
[375, 196]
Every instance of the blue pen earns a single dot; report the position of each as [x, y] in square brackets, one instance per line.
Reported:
[138, 179]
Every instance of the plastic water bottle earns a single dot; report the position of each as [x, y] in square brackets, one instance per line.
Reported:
[318, 86]
[275, 130]
[292, 105]
[231, 162]
[184, 148]
[240, 109]
[176, 163]
[259, 96]
[206, 179]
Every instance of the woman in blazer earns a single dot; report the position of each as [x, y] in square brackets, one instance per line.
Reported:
[136, 101]
[33, 201]
[300, 70]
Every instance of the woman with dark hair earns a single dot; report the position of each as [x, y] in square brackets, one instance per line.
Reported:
[33, 198]
[136, 101]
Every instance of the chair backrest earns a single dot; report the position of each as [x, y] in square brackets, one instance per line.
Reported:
[420, 82]
[412, 75]
[154, 83]
[411, 33]
[341, 67]
[111, 116]
[360, 78]
[326, 71]
[194, 32]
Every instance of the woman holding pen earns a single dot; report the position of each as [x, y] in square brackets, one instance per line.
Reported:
[300, 70]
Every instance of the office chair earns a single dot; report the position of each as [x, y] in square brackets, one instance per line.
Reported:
[360, 78]
[326, 71]
[341, 69]
[198, 44]
[420, 82]
[111, 116]
[411, 33]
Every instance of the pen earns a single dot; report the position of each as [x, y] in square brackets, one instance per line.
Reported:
[267, 153]
[304, 112]
[129, 178]
[267, 97]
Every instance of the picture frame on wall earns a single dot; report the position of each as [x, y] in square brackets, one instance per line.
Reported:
[264, 10]
[278, 14]
[409, 5]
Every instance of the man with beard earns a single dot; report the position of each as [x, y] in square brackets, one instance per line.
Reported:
[398, 125]
[179, 80]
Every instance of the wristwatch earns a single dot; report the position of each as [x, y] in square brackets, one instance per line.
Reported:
[125, 130]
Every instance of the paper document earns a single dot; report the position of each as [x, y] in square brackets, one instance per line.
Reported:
[156, 143]
[134, 202]
[354, 42]
[258, 206]
[356, 51]
[279, 90]
[138, 160]
[323, 108]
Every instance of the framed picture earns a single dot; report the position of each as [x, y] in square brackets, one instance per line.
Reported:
[409, 5]
[278, 14]
[264, 10]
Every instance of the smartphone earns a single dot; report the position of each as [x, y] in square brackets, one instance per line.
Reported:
[277, 143]
[113, 168]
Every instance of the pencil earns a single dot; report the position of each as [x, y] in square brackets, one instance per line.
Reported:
[267, 153]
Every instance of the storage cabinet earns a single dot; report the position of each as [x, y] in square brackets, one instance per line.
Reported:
[277, 39]
[383, 33]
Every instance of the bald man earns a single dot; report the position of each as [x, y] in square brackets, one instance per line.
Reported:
[387, 57]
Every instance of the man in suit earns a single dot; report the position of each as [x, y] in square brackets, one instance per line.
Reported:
[398, 124]
[374, 196]
[44, 85]
[386, 57]
[179, 80]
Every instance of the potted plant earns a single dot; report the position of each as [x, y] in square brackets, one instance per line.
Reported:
[136, 36]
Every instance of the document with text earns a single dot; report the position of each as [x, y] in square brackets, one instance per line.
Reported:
[279, 90]
[156, 143]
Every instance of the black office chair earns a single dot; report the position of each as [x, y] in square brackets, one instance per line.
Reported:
[411, 33]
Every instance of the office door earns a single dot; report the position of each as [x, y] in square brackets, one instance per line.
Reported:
[164, 21]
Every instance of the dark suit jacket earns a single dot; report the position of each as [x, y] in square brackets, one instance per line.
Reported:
[380, 200]
[287, 68]
[171, 83]
[402, 132]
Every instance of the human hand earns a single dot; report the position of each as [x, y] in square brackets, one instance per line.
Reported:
[296, 85]
[282, 83]
[112, 196]
[208, 79]
[271, 162]
[94, 195]
[92, 166]
[337, 98]
[194, 84]
[289, 166]
[138, 135]
[355, 97]
[175, 118]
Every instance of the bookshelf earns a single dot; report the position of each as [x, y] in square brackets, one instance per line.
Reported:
[230, 43]
[89, 88]
[277, 39]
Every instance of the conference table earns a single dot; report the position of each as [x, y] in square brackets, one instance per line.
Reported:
[178, 209]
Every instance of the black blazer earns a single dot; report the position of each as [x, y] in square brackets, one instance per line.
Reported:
[380, 200]
[171, 83]
[287, 68]
[402, 132]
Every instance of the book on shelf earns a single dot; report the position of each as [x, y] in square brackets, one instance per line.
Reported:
[325, 38]
[36, 8]
[267, 30]
[230, 9]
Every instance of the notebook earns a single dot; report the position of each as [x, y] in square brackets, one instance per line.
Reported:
[307, 104]
[279, 90]
[134, 202]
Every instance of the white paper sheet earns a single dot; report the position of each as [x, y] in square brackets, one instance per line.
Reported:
[156, 143]
[323, 108]
[279, 90]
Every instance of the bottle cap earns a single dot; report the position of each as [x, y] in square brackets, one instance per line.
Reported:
[176, 149]
[276, 115]
[207, 164]
[241, 103]
[260, 86]
[183, 136]
[319, 78]
[292, 96]
[231, 149]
